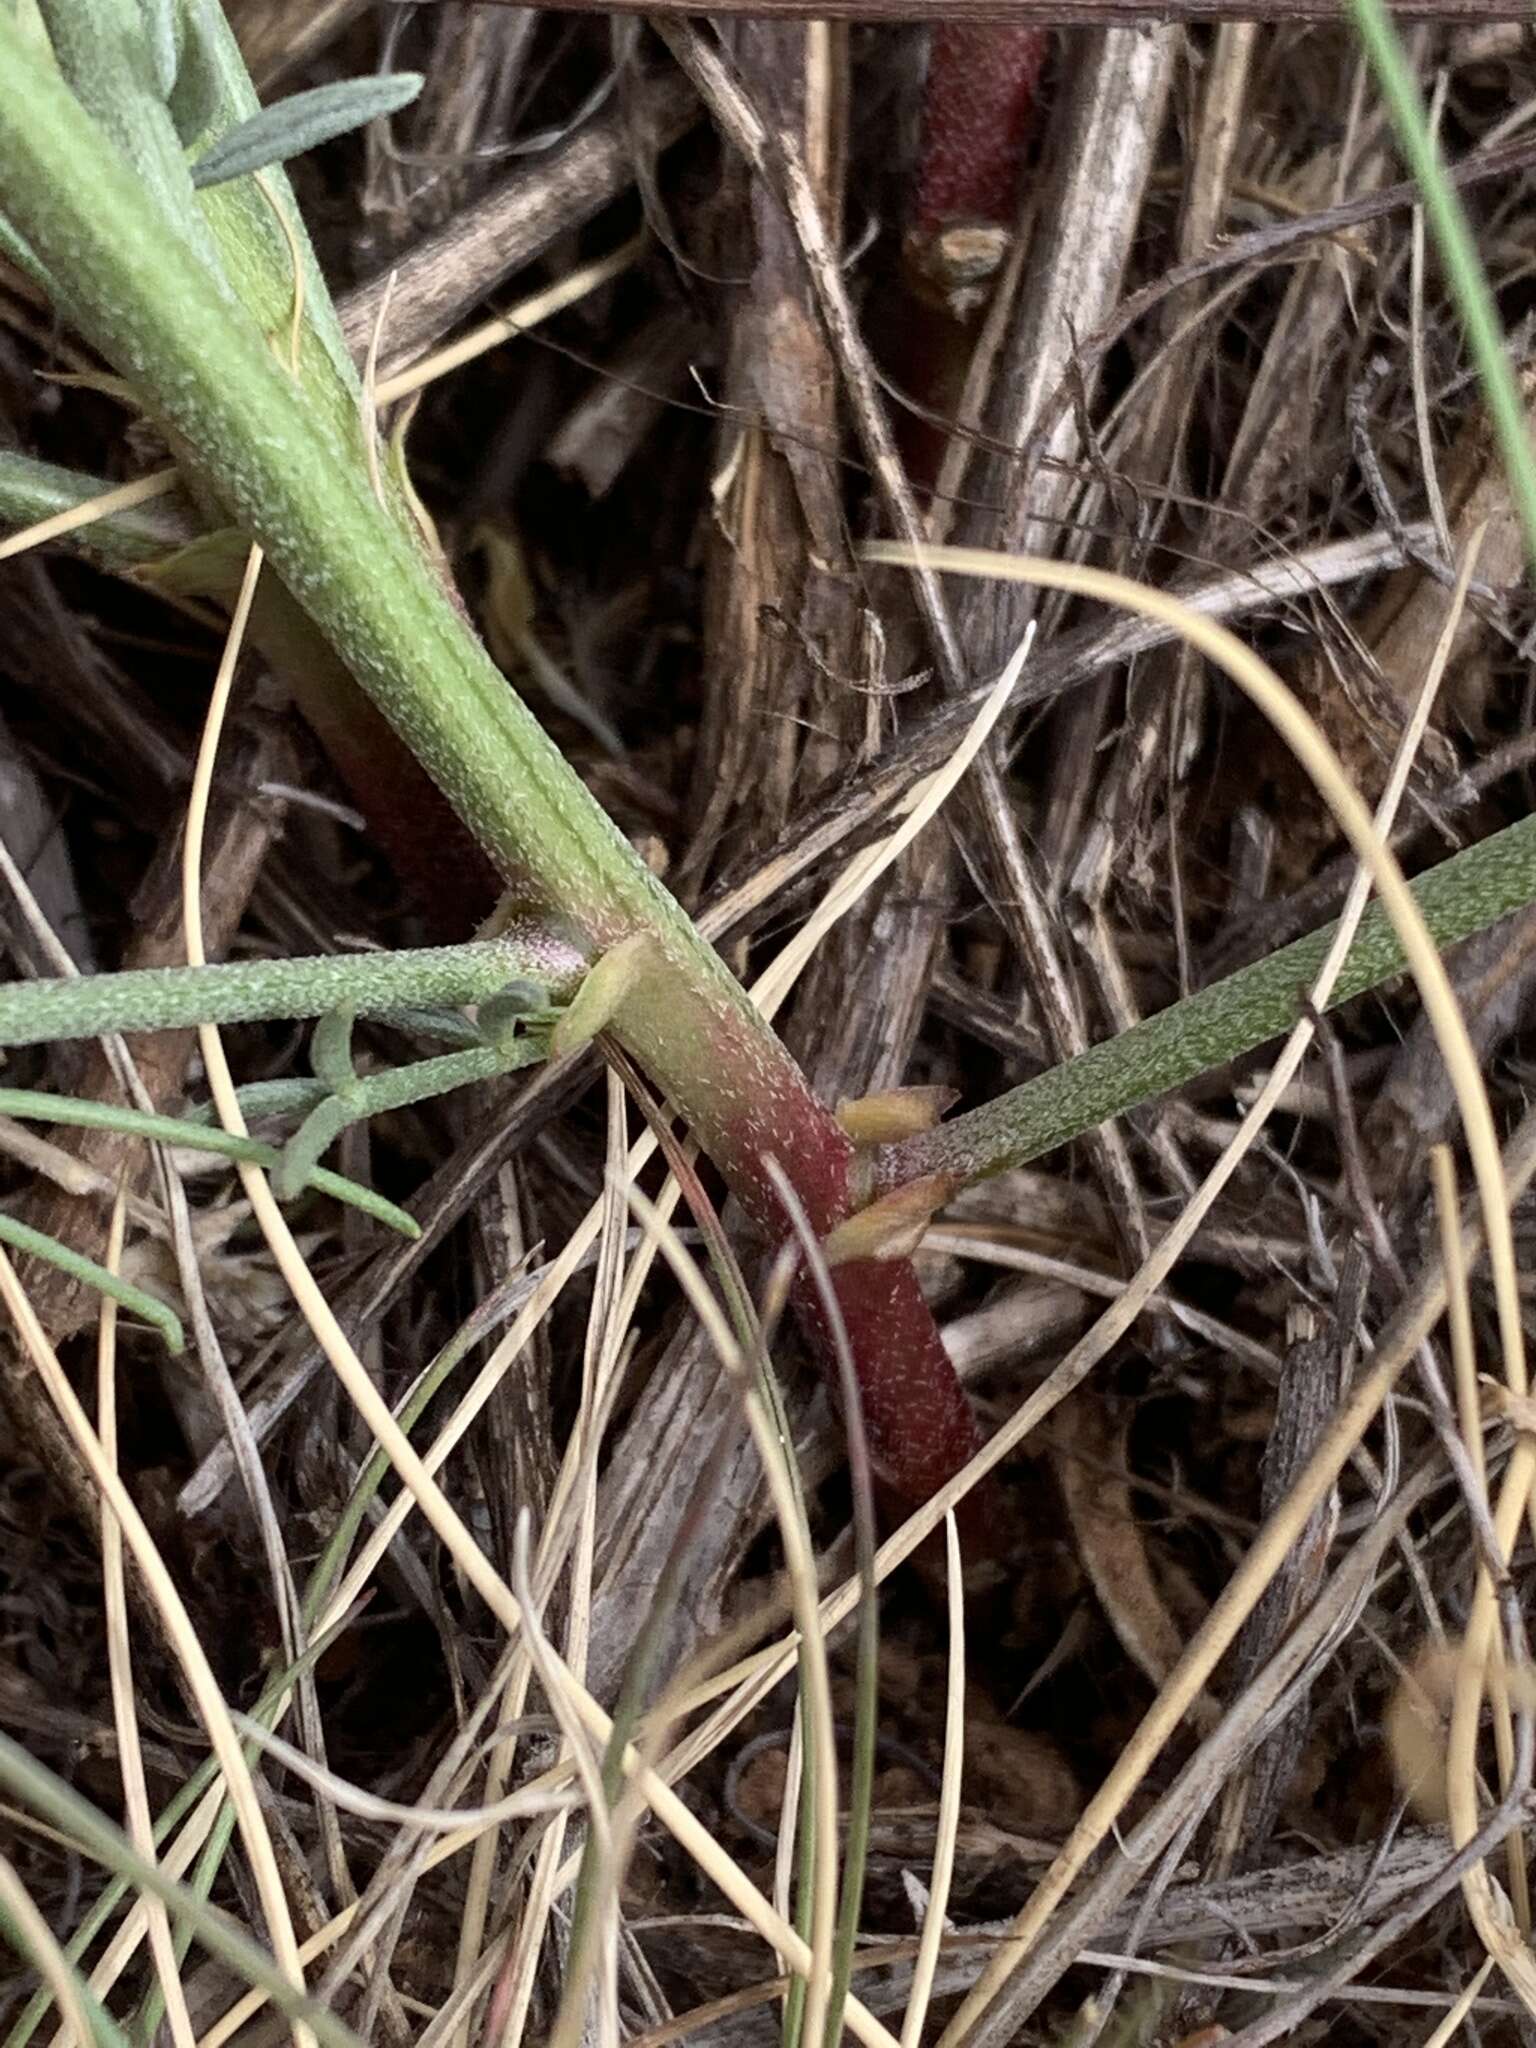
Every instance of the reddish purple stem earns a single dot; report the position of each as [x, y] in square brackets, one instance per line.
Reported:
[978, 111]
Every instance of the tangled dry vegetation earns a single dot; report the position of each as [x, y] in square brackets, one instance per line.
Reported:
[1229, 363]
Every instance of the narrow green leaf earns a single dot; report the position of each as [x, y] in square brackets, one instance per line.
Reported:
[251, 991]
[309, 1144]
[393, 1088]
[1460, 896]
[303, 121]
[22, 1237]
[1464, 272]
[37, 1107]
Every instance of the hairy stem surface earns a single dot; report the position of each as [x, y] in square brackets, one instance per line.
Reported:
[1462, 895]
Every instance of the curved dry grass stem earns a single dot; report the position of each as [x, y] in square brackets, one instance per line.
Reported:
[1455, 2019]
[45, 1955]
[269, 1885]
[436, 1820]
[948, 1826]
[722, 1871]
[789, 1829]
[178, 1625]
[1469, 1414]
[125, 1719]
[800, 1570]
[1486, 1903]
[556, 1681]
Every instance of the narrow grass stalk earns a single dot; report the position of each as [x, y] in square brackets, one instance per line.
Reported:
[866, 1720]
[23, 1927]
[1463, 895]
[1458, 252]
[45, 1794]
[947, 1825]
[797, 1864]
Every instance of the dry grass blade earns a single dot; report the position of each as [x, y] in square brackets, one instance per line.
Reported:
[800, 1568]
[35, 1938]
[949, 1801]
[443, 1820]
[1469, 1414]
[1454, 2020]
[179, 1628]
[553, 1678]
[120, 1659]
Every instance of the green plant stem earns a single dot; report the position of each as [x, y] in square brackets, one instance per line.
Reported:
[1448, 223]
[1462, 895]
[295, 484]
[248, 991]
[288, 469]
